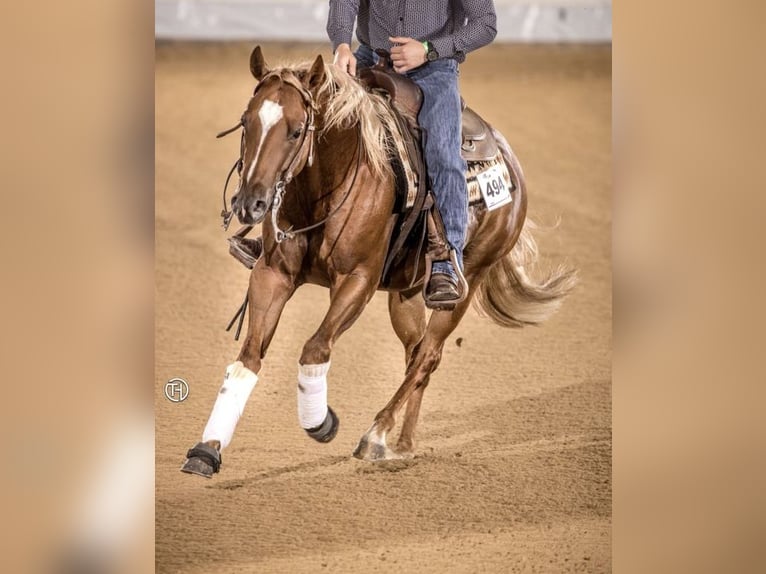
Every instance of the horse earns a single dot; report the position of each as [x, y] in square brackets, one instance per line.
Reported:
[315, 169]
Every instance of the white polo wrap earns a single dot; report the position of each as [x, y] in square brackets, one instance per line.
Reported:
[238, 383]
[312, 394]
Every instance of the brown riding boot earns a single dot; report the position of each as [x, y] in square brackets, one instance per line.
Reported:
[442, 288]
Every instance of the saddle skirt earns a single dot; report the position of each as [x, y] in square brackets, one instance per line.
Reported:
[479, 148]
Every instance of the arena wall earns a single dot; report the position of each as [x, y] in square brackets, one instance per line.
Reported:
[304, 20]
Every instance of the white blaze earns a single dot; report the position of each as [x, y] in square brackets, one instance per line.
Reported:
[270, 113]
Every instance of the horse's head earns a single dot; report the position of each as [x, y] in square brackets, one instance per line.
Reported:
[278, 135]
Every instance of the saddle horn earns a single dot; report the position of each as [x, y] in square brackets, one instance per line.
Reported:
[384, 59]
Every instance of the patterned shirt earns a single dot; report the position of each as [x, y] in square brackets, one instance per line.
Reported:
[454, 27]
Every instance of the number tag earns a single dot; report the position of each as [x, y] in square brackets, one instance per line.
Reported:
[493, 188]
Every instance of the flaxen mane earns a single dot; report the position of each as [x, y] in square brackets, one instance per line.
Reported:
[346, 103]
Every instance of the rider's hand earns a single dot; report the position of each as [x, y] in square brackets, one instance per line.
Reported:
[345, 59]
[407, 55]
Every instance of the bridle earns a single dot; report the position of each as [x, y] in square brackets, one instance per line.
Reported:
[286, 176]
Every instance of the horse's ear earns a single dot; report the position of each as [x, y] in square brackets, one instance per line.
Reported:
[258, 65]
[316, 75]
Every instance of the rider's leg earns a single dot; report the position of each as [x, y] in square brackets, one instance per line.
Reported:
[441, 118]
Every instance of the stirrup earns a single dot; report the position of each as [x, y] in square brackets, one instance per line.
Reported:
[461, 280]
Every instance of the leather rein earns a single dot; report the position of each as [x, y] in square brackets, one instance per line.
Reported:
[307, 139]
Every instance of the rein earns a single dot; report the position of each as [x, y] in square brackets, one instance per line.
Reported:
[280, 190]
[226, 214]
[307, 138]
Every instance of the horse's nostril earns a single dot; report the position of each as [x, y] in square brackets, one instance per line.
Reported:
[260, 205]
[234, 198]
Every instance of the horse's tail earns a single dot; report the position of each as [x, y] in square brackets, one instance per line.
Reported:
[509, 297]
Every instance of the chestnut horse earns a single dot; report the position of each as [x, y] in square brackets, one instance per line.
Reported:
[315, 169]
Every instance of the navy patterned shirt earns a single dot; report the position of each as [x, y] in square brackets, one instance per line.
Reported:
[454, 27]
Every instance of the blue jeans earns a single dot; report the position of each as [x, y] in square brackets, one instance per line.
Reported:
[441, 119]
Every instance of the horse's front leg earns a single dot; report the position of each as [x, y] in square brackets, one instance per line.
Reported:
[348, 298]
[269, 290]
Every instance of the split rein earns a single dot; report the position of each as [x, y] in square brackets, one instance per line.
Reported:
[307, 139]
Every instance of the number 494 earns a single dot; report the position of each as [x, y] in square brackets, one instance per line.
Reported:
[495, 187]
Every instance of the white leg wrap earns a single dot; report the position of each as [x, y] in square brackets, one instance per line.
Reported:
[312, 394]
[237, 385]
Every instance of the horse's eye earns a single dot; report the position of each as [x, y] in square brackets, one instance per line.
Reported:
[296, 134]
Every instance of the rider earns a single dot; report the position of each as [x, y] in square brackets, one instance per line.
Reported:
[425, 46]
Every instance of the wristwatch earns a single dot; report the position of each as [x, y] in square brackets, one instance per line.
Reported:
[431, 53]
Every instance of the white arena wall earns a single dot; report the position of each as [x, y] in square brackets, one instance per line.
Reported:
[304, 20]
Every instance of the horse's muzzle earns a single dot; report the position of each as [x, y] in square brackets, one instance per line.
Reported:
[249, 211]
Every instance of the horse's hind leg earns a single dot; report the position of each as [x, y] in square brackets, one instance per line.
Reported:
[405, 444]
[408, 317]
[426, 358]
[349, 296]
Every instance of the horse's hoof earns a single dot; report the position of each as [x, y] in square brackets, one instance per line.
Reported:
[197, 466]
[202, 460]
[369, 451]
[327, 430]
[372, 448]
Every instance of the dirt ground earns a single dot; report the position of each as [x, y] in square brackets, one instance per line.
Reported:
[513, 465]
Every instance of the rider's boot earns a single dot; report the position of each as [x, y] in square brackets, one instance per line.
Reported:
[444, 285]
